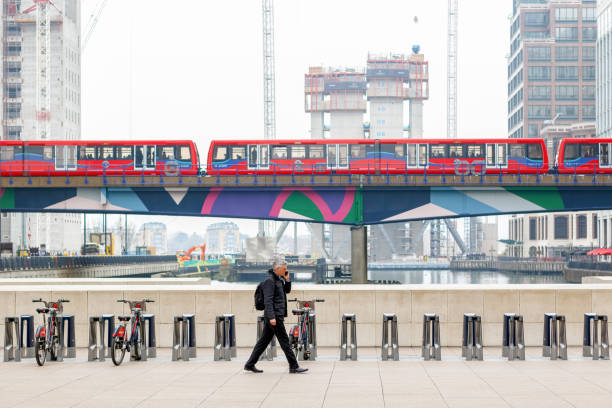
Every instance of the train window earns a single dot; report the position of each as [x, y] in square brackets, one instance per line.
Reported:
[165, 152]
[332, 158]
[253, 156]
[517, 151]
[588, 150]
[411, 160]
[124, 153]
[87, 153]
[34, 150]
[387, 148]
[263, 160]
[475, 151]
[317, 152]
[6, 153]
[604, 155]
[279, 152]
[358, 151]
[220, 153]
[48, 153]
[534, 151]
[298, 152]
[183, 153]
[107, 153]
[455, 152]
[437, 151]
[400, 151]
[423, 155]
[572, 151]
[502, 154]
[238, 152]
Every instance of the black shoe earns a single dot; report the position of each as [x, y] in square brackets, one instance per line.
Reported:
[297, 370]
[253, 369]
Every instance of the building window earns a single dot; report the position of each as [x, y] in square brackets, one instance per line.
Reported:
[588, 73]
[594, 226]
[566, 92]
[13, 91]
[588, 112]
[538, 53]
[589, 34]
[536, 19]
[561, 227]
[13, 49]
[588, 92]
[538, 73]
[539, 92]
[567, 111]
[565, 53]
[13, 133]
[532, 130]
[566, 73]
[564, 14]
[532, 229]
[581, 227]
[588, 53]
[589, 14]
[539, 111]
[566, 33]
[13, 110]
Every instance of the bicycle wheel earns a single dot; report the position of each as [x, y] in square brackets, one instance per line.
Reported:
[55, 348]
[117, 351]
[40, 352]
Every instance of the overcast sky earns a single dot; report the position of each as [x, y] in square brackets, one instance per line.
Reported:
[193, 69]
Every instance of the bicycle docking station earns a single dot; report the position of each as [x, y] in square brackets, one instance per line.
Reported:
[592, 346]
[471, 346]
[513, 337]
[148, 324]
[96, 350]
[270, 351]
[431, 348]
[390, 346]
[345, 346]
[27, 329]
[108, 328]
[12, 336]
[554, 342]
[184, 338]
[225, 337]
[67, 336]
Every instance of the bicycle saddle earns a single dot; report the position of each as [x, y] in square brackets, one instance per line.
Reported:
[297, 311]
[124, 318]
[42, 310]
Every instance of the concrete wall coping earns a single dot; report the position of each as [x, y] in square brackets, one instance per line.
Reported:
[306, 287]
[102, 281]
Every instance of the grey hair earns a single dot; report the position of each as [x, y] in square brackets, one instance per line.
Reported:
[278, 262]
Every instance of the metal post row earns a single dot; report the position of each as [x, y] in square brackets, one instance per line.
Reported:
[513, 338]
[184, 344]
[225, 337]
[592, 344]
[390, 346]
[431, 348]
[554, 341]
[472, 337]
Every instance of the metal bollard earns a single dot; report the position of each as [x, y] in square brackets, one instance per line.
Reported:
[96, 351]
[513, 339]
[344, 345]
[150, 330]
[189, 320]
[225, 337]
[27, 347]
[68, 341]
[270, 352]
[390, 346]
[180, 347]
[592, 346]
[109, 322]
[554, 343]
[12, 335]
[431, 337]
[472, 337]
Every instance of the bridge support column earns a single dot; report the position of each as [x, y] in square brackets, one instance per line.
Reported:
[359, 254]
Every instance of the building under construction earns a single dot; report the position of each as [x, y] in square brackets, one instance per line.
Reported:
[339, 100]
[41, 99]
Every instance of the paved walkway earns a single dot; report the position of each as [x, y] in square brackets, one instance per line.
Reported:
[329, 383]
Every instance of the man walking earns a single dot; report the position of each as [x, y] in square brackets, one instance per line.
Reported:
[275, 288]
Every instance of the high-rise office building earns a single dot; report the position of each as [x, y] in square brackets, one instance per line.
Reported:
[21, 118]
[551, 65]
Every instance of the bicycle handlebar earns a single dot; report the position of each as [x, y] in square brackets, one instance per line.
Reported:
[134, 301]
[39, 300]
[296, 300]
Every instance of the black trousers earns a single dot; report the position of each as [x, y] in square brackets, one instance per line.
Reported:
[269, 332]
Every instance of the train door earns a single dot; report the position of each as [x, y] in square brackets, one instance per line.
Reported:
[65, 158]
[497, 155]
[604, 155]
[337, 156]
[144, 158]
[257, 157]
[416, 155]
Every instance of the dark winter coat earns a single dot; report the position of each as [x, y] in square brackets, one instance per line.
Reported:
[275, 299]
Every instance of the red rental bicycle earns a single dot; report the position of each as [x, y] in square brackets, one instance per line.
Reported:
[135, 344]
[301, 335]
[48, 334]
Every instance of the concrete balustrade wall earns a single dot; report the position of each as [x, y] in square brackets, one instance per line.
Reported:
[368, 302]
